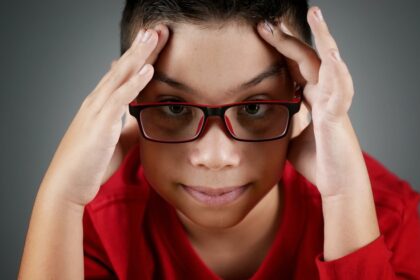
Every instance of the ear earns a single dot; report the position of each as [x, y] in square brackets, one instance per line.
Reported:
[300, 120]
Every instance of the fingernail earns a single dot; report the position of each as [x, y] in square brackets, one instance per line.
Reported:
[269, 27]
[318, 15]
[144, 70]
[146, 36]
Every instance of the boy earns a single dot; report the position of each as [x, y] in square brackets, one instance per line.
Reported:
[190, 195]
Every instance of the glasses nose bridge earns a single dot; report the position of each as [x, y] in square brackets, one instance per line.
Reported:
[214, 111]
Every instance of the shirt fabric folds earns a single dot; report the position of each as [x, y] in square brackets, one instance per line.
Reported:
[130, 232]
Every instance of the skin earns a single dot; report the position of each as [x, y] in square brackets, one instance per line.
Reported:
[96, 141]
[215, 159]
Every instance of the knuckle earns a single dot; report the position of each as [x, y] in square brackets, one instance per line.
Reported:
[87, 102]
[104, 78]
[114, 99]
[129, 51]
[132, 83]
[117, 76]
[127, 56]
[346, 72]
[114, 64]
[332, 54]
[133, 63]
[332, 51]
[126, 64]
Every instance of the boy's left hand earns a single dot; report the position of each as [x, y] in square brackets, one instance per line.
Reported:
[327, 151]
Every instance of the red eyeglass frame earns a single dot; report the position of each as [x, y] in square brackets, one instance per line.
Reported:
[292, 105]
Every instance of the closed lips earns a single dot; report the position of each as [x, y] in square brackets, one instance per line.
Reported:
[214, 191]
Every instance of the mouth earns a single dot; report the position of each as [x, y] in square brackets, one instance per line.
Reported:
[215, 196]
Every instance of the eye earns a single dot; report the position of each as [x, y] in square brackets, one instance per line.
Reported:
[254, 110]
[176, 109]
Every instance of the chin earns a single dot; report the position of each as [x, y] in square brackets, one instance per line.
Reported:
[216, 218]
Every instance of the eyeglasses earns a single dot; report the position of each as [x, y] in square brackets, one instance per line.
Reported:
[250, 121]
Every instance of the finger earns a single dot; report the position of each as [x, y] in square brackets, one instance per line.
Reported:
[125, 68]
[293, 48]
[130, 133]
[117, 103]
[292, 65]
[163, 34]
[130, 136]
[104, 78]
[324, 42]
[113, 63]
[340, 101]
[301, 119]
[130, 122]
[302, 152]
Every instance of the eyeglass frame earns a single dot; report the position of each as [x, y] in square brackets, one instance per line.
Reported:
[293, 106]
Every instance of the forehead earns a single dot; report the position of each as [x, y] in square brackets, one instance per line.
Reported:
[214, 58]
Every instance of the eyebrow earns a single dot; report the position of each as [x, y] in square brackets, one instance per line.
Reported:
[274, 69]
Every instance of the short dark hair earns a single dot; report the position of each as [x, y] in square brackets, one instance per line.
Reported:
[146, 13]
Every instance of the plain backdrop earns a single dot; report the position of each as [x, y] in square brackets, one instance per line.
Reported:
[53, 53]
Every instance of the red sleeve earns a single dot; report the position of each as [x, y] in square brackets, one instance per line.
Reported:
[378, 260]
[95, 259]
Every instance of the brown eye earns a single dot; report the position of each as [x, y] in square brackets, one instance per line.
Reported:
[176, 109]
[252, 109]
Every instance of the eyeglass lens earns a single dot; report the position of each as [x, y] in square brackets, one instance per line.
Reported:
[256, 121]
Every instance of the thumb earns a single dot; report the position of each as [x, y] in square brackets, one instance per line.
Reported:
[130, 136]
[302, 153]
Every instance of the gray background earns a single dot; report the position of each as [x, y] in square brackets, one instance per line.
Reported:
[54, 52]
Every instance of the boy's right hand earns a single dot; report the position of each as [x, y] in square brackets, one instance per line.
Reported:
[95, 144]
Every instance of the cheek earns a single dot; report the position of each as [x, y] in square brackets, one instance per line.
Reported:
[159, 163]
[268, 160]
[163, 163]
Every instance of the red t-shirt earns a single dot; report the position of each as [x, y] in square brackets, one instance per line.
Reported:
[130, 232]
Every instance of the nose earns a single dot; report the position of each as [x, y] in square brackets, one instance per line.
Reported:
[215, 150]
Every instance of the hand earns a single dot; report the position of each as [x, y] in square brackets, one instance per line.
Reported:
[130, 133]
[94, 144]
[326, 152]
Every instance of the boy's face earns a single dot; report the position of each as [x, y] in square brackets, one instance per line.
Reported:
[212, 62]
